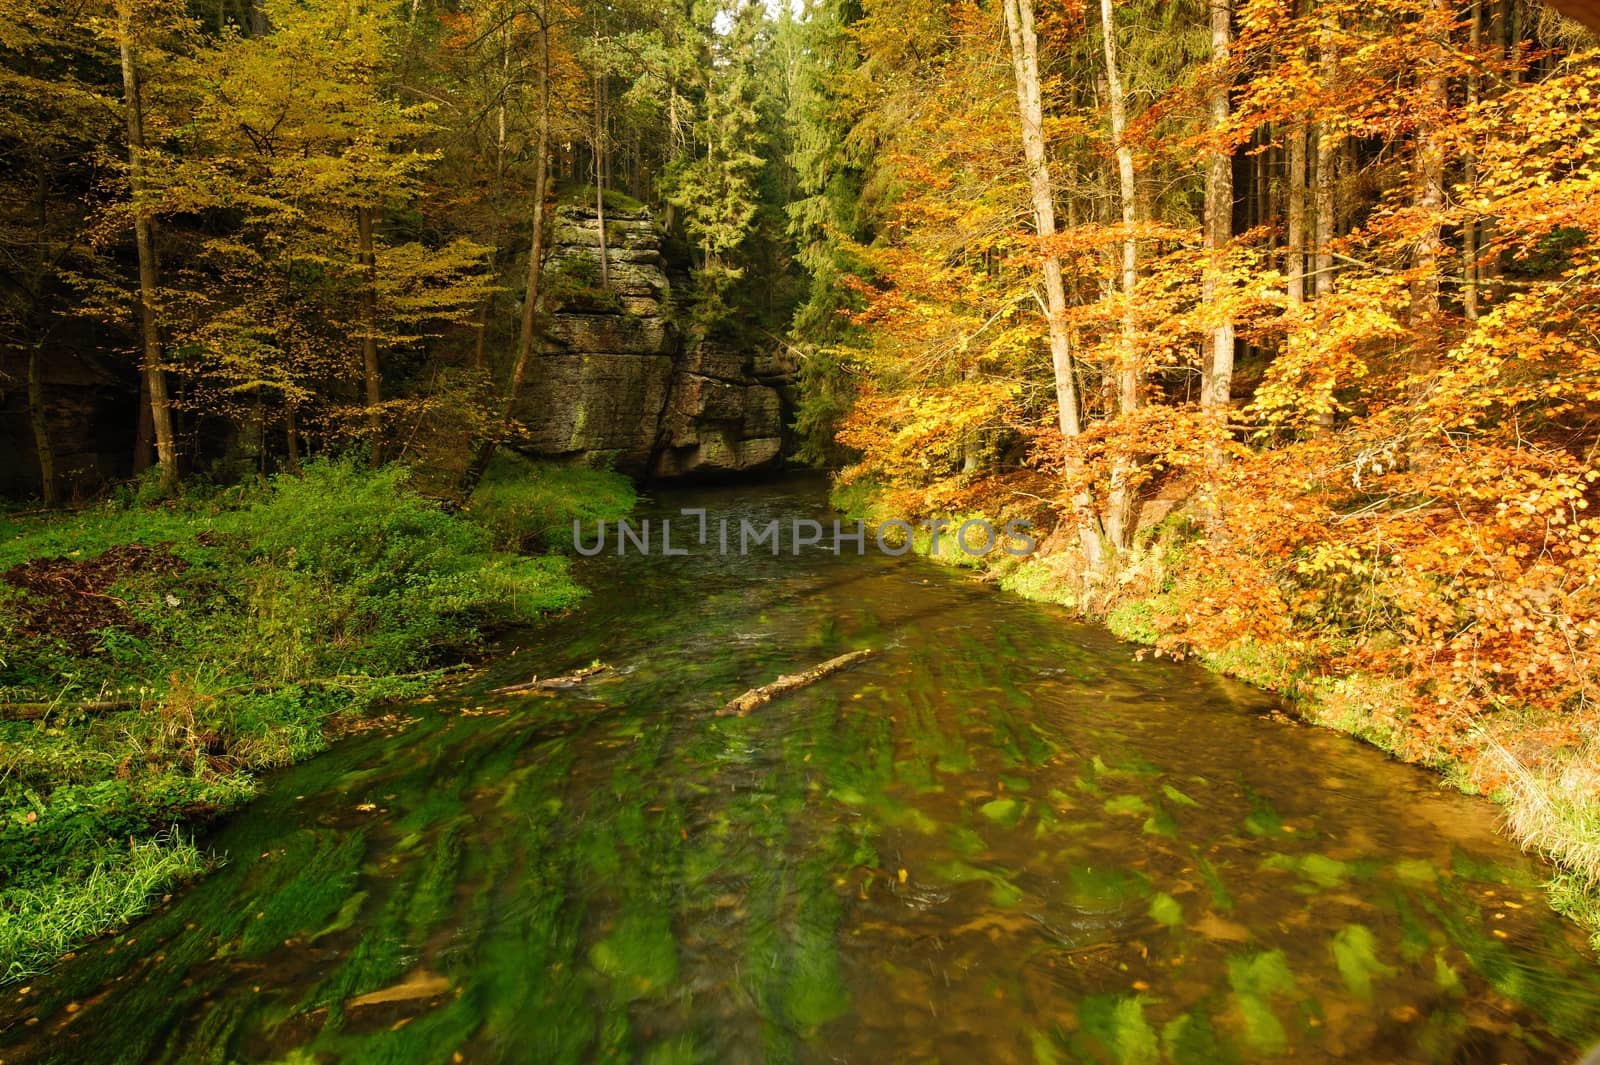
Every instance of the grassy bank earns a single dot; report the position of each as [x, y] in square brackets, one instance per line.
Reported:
[1540, 769]
[157, 660]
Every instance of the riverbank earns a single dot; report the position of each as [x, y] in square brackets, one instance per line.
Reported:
[158, 659]
[1542, 770]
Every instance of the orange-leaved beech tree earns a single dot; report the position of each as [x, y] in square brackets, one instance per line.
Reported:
[1349, 247]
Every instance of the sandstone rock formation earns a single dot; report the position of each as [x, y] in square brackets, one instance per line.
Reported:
[616, 382]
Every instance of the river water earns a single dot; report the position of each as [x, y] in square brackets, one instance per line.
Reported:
[1005, 839]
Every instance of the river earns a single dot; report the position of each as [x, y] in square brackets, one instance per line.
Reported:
[1004, 839]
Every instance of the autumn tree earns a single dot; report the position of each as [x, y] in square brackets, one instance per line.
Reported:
[306, 151]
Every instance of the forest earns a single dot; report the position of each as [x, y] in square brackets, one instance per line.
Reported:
[1276, 321]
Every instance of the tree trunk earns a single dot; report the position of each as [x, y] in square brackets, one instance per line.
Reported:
[541, 177]
[1120, 502]
[1430, 186]
[1488, 269]
[497, 219]
[40, 420]
[1514, 50]
[1295, 266]
[1469, 166]
[525, 340]
[1127, 372]
[600, 175]
[366, 255]
[155, 380]
[1219, 212]
[1030, 110]
[1327, 150]
[144, 433]
[291, 437]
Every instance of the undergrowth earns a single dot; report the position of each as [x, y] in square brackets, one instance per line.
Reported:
[158, 659]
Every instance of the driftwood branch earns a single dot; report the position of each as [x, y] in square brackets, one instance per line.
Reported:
[571, 680]
[789, 682]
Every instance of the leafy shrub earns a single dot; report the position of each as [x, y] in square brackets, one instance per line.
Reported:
[575, 285]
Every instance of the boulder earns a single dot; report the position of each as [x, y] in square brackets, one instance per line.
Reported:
[599, 406]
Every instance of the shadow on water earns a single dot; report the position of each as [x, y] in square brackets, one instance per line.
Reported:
[1002, 840]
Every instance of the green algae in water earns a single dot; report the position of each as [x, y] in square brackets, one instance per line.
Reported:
[816, 991]
[1256, 980]
[1127, 804]
[1176, 796]
[1118, 1025]
[1190, 1039]
[657, 884]
[1160, 823]
[1002, 892]
[684, 1050]
[345, 918]
[1355, 952]
[965, 841]
[1101, 887]
[1166, 910]
[1044, 1048]
[1318, 870]
[1002, 811]
[1220, 898]
[1416, 871]
[641, 955]
[324, 877]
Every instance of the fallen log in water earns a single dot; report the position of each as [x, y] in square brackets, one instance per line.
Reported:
[789, 682]
[571, 680]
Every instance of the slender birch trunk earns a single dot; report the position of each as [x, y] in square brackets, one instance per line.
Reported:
[1120, 504]
[1127, 373]
[1030, 109]
[1219, 212]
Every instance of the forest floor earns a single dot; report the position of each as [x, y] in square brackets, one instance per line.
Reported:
[1543, 780]
[159, 658]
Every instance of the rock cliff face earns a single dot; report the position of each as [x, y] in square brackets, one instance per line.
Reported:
[616, 383]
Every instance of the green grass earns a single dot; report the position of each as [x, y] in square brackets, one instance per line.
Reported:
[37, 925]
[283, 607]
[1554, 808]
[1577, 898]
[525, 504]
[616, 200]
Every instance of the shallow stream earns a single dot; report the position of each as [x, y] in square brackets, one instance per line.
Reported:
[1005, 839]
